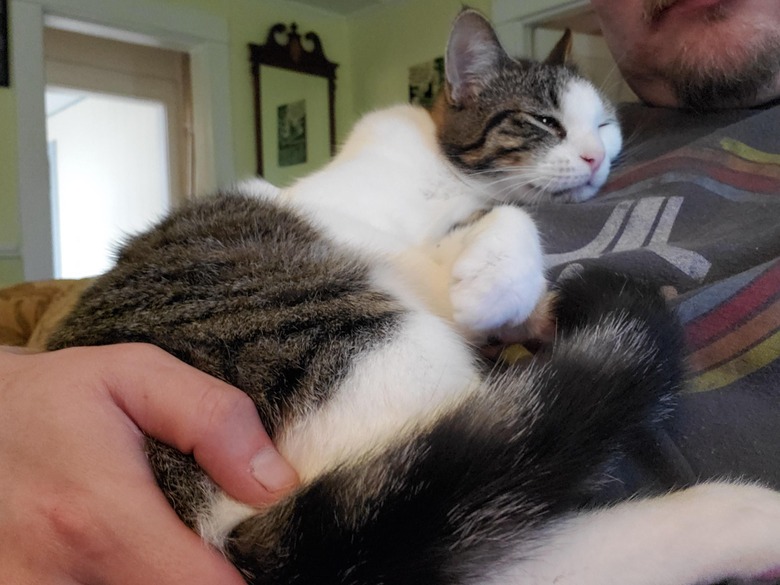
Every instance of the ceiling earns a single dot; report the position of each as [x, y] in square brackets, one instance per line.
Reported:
[579, 20]
[346, 7]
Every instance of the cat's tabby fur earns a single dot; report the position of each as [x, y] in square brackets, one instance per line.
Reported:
[419, 464]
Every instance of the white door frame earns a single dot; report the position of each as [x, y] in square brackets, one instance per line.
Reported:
[205, 37]
[515, 21]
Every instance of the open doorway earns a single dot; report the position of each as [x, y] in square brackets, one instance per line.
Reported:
[118, 123]
[202, 35]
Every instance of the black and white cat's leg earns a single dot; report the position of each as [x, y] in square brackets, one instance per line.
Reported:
[698, 536]
[496, 273]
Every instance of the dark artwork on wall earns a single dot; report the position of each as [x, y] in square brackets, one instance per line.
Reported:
[425, 81]
[4, 76]
[292, 133]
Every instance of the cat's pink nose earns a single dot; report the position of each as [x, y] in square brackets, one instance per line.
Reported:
[594, 159]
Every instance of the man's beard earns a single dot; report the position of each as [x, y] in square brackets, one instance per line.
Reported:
[735, 81]
[700, 88]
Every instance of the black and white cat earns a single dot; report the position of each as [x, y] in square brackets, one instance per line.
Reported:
[348, 308]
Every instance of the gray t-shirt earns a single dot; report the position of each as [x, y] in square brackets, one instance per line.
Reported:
[694, 204]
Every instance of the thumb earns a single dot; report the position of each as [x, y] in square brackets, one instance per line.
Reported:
[196, 413]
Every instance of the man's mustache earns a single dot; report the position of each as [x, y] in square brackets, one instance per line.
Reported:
[655, 8]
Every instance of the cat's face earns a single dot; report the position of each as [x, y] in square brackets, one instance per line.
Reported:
[576, 163]
[529, 131]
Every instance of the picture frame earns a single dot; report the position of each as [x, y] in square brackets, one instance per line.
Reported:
[425, 82]
[291, 56]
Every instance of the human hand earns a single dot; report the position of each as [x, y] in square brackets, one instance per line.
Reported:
[78, 500]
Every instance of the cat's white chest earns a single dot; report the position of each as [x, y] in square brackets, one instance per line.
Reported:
[389, 188]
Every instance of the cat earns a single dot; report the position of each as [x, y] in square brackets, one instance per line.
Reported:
[502, 131]
[349, 306]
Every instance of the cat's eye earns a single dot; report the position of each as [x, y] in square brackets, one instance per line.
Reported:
[607, 123]
[546, 120]
[551, 124]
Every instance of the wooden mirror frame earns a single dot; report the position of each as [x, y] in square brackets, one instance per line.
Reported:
[293, 57]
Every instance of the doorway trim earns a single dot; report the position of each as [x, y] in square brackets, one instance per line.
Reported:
[205, 37]
[515, 21]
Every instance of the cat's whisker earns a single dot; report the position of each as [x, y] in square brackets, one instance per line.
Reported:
[511, 171]
[614, 80]
[514, 182]
[632, 151]
[530, 181]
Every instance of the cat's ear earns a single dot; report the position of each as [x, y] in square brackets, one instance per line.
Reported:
[561, 53]
[473, 53]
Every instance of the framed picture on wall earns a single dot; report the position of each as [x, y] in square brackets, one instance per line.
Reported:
[295, 122]
[5, 77]
[425, 81]
[292, 133]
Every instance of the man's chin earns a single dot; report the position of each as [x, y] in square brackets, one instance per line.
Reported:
[752, 81]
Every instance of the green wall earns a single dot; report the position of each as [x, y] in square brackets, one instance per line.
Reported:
[387, 41]
[10, 267]
[374, 50]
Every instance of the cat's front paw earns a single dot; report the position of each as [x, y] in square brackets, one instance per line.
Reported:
[498, 279]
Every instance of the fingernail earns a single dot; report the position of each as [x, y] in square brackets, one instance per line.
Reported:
[272, 471]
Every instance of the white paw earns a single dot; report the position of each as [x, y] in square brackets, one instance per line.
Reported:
[499, 277]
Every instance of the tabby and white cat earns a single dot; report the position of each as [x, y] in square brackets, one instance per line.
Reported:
[347, 307]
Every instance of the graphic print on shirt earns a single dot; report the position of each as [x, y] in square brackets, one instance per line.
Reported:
[648, 226]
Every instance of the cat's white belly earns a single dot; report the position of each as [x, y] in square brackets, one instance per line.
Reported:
[390, 390]
[401, 385]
